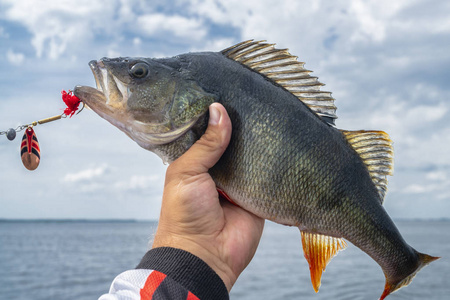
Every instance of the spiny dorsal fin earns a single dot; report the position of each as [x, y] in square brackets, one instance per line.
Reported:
[375, 149]
[318, 250]
[283, 68]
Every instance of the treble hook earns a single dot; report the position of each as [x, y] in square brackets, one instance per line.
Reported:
[81, 107]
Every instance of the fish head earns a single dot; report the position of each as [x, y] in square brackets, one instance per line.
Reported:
[153, 103]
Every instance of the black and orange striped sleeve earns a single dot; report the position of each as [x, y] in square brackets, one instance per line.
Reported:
[168, 273]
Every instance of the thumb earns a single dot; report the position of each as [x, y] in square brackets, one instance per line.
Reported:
[205, 153]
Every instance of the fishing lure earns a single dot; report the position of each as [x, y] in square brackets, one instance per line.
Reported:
[30, 151]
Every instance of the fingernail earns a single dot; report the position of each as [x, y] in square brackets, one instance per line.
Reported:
[214, 115]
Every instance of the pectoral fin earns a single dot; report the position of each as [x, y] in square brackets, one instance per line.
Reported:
[318, 250]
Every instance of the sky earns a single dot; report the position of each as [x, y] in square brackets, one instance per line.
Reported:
[387, 64]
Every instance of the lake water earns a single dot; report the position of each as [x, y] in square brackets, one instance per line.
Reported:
[78, 260]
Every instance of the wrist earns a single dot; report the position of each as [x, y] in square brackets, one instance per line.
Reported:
[207, 254]
[187, 270]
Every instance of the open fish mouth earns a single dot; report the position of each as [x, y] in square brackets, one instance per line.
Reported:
[109, 100]
[110, 95]
[115, 91]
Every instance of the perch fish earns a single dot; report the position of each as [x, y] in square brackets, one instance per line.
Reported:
[286, 162]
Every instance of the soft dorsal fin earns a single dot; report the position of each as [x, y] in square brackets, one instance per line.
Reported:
[318, 250]
[283, 68]
[375, 149]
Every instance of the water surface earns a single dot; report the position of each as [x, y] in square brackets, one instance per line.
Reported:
[78, 260]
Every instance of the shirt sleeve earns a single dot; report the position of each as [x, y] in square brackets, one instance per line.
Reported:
[168, 273]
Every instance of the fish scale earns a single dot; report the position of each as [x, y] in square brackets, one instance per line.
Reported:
[286, 161]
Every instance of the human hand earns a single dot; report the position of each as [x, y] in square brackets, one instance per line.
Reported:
[192, 218]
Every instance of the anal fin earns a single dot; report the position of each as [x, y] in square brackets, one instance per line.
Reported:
[318, 250]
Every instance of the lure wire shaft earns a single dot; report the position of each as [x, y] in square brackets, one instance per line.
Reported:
[35, 123]
[51, 119]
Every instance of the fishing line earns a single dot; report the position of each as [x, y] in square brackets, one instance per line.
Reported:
[30, 151]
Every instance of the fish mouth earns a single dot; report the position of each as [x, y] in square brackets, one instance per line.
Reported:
[109, 101]
[111, 94]
[115, 91]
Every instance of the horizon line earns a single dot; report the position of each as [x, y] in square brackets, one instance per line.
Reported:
[74, 220]
[133, 220]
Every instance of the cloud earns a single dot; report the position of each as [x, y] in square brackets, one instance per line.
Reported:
[373, 19]
[113, 180]
[138, 182]
[65, 28]
[439, 175]
[3, 33]
[387, 69]
[15, 58]
[158, 24]
[137, 41]
[434, 182]
[402, 118]
[57, 26]
[86, 175]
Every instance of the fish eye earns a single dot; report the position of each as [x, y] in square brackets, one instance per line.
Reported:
[139, 70]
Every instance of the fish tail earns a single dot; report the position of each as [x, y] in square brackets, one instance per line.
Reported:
[392, 286]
